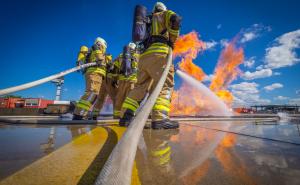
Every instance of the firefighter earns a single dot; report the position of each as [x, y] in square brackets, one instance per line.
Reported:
[126, 77]
[109, 87]
[165, 26]
[82, 55]
[93, 78]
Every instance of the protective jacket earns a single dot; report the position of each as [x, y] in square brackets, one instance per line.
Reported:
[97, 55]
[164, 32]
[94, 79]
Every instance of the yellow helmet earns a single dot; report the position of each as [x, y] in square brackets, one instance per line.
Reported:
[84, 49]
[108, 57]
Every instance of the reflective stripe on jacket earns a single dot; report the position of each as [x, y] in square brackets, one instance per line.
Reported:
[161, 26]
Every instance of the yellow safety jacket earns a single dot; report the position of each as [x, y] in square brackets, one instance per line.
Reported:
[161, 26]
[110, 71]
[134, 64]
[82, 55]
[97, 55]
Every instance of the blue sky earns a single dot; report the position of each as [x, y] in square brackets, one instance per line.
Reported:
[40, 38]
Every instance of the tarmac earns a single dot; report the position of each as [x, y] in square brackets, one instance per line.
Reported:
[199, 152]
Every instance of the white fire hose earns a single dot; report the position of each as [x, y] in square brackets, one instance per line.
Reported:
[43, 80]
[118, 168]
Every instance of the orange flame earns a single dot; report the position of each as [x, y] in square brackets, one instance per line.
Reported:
[187, 100]
[225, 95]
[188, 46]
[227, 70]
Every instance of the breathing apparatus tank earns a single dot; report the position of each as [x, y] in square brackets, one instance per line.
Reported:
[141, 27]
[126, 68]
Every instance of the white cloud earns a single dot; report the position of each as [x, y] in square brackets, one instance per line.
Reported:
[210, 44]
[256, 30]
[260, 67]
[208, 78]
[263, 73]
[273, 86]
[246, 93]
[280, 98]
[219, 26]
[295, 101]
[250, 87]
[224, 42]
[283, 53]
[248, 37]
[298, 92]
[250, 62]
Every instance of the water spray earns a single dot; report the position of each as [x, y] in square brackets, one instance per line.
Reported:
[223, 109]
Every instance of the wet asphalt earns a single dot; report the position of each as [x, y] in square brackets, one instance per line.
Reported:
[197, 153]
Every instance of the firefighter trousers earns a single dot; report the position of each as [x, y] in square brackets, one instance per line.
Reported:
[93, 83]
[150, 68]
[123, 90]
[106, 89]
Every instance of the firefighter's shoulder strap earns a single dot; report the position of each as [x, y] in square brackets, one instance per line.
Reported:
[172, 25]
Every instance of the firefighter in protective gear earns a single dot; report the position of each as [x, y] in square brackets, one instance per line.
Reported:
[125, 81]
[165, 26]
[93, 78]
[82, 55]
[109, 88]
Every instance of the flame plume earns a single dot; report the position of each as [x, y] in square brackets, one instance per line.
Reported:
[227, 70]
[188, 46]
[188, 100]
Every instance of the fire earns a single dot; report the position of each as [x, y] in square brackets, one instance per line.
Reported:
[187, 100]
[225, 95]
[227, 70]
[188, 46]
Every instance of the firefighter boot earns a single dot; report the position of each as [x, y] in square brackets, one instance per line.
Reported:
[164, 124]
[126, 119]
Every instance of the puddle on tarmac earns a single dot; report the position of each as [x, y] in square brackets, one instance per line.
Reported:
[190, 155]
[22, 144]
[195, 155]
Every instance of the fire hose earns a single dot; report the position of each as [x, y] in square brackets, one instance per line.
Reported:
[243, 134]
[44, 80]
[117, 170]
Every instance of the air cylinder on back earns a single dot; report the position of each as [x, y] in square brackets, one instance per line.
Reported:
[139, 29]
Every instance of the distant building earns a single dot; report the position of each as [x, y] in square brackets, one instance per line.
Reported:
[294, 109]
[24, 103]
[243, 110]
[11, 102]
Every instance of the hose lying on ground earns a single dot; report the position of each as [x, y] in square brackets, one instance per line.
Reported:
[118, 168]
[44, 80]
[243, 134]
